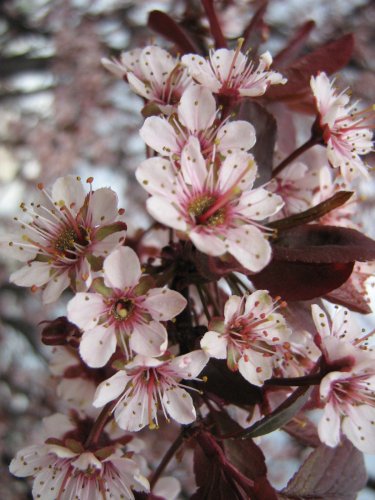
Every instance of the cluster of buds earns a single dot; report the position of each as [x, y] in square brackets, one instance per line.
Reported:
[143, 336]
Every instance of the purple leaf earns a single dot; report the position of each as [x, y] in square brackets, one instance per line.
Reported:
[294, 45]
[329, 58]
[229, 386]
[323, 244]
[348, 296]
[303, 430]
[215, 28]
[162, 23]
[254, 32]
[265, 127]
[329, 473]
[301, 280]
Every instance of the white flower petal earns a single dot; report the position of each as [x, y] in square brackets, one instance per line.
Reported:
[193, 165]
[97, 346]
[201, 71]
[164, 304]
[103, 206]
[321, 321]
[189, 365]
[55, 287]
[122, 268]
[157, 176]
[179, 405]
[33, 274]
[232, 307]
[249, 246]
[329, 426]
[110, 389]
[259, 204]
[234, 135]
[159, 134]
[69, 191]
[207, 242]
[197, 108]
[259, 303]
[359, 428]
[214, 345]
[238, 170]
[254, 367]
[133, 414]
[149, 339]
[164, 212]
[85, 309]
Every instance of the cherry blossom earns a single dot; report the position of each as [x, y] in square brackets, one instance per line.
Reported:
[126, 307]
[232, 73]
[146, 384]
[63, 235]
[345, 130]
[65, 469]
[248, 335]
[348, 390]
[295, 186]
[217, 210]
[153, 74]
[196, 115]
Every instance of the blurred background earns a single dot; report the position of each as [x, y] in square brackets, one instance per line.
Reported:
[62, 113]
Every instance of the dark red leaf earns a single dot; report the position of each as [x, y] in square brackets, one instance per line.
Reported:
[281, 416]
[294, 45]
[301, 280]
[229, 386]
[162, 23]
[348, 296]
[246, 456]
[315, 243]
[303, 430]
[215, 28]
[266, 128]
[329, 58]
[253, 34]
[329, 473]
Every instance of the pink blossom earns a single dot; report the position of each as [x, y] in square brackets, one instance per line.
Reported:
[146, 384]
[230, 72]
[153, 74]
[65, 469]
[295, 186]
[127, 308]
[345, 130]
[62, 235]
[248, 336]
[218, 210]
[196, 115]
[348, 390]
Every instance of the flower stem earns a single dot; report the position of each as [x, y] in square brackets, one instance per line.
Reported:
[172, 450]
[99, 424]
[307, 145]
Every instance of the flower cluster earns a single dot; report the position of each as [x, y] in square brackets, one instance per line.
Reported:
[200, 321]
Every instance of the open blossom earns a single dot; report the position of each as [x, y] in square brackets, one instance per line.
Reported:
[147, 384]
[196, 115]
[65, 470]
[125, 307]
[248, 336]
[295, 186]
[345, 130]
[348, 391]
[153, 74]
[60, 235]
[232, 73]
[217, 210]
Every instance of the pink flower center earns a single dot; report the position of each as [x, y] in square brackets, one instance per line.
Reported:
[203, 209]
